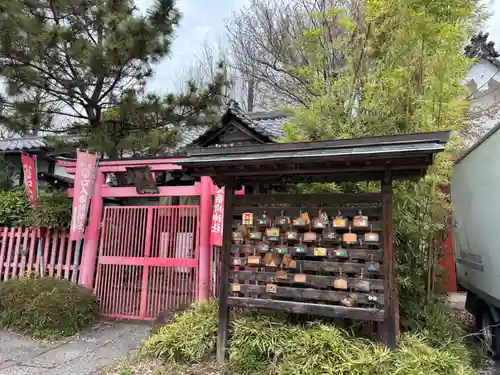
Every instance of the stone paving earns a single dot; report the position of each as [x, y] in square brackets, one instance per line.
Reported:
[84, 354]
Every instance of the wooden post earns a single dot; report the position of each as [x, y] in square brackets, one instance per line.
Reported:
[222, 333]
[391, 303]
[90, 244]
[205, 254]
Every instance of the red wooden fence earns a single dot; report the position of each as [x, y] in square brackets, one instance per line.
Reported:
[19, 254]
[148, 260]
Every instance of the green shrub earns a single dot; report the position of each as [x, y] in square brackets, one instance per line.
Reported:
[189, 337]
[13, 207]
[262, 344]
[46, 307]
[415, 357]
[258, 343]
[329, 350]
[53, 210]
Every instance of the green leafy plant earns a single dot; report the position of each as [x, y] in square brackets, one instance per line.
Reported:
[261, 344]
[102, 55]
[53, 210]
[415, 356]
[190, 336]
[46, 307]
[402, 72]
[13, 207]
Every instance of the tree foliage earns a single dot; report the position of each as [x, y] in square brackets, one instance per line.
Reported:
[7, 174]
[262, 36]
[403, 73]
[65, 63]
[149, 124]
[81, 53]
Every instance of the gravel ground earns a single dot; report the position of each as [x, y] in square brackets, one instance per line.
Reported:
[457, 302]
[490, 368]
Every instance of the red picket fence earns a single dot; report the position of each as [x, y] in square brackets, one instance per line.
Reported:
[19, 254]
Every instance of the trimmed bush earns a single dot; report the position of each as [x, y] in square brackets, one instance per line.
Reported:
[261, 344]
[46, 307]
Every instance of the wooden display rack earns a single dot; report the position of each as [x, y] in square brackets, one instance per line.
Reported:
[264, 267]
[309, 269]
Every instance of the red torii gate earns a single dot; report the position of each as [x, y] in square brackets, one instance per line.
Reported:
[205, 189]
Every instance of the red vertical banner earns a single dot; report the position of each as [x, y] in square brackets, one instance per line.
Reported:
[30, 177]
[217, 218]
[82, 192]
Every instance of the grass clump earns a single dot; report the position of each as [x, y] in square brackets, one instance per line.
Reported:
[325, 349]
[189, 337]
[415, 357]
[46, 308]
[261, 344]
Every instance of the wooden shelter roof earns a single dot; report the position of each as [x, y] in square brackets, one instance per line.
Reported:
[361, 159]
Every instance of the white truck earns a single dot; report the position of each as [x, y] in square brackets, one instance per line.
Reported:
[475, 197]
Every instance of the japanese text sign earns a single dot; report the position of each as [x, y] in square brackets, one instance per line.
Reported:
[217, 218]
[82, 192]
[30, 177]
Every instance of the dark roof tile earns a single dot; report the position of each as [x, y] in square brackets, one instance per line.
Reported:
[190, 134]
[267, 124]
[18, 144]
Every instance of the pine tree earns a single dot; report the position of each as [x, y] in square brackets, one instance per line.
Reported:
[65, 62]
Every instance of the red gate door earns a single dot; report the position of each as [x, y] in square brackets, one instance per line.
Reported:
[148, 260]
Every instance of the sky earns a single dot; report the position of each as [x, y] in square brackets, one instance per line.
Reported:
[493, 24]
[202, 20]
[206, 20]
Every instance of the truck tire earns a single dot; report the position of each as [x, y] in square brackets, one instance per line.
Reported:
[489, 331]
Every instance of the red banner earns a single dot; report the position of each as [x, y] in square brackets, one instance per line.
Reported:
[82, 192]
[217, 218]
[30, 177]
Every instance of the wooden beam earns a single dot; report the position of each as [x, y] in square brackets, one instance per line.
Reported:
[375, 225]
[137, 162]
[272, 169]
[331, 209]
[354, 313]
[222, 333]
[154, 167]
[359, 254]
[322, 265]
[391, 319]
[306, 293]
[221, 176]
[377, 141]
[327, 199]
[312, 280]
[123, 192]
